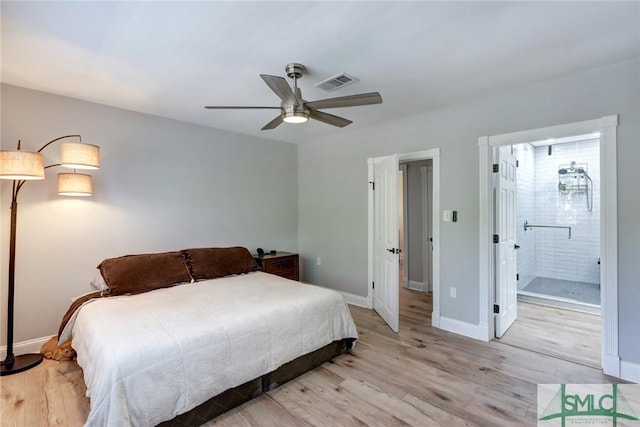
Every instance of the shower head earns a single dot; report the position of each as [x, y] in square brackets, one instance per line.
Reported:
[583, 172]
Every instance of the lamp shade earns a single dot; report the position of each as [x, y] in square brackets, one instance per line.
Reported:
[78, 155]
[19, 165]
[74, 184]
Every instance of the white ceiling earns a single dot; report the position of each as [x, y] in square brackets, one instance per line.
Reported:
[172, 58]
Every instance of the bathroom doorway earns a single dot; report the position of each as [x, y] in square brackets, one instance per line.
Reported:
[557, 242]
[558, 222]
[492, 292]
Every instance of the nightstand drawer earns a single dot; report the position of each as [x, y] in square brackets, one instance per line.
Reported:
[282, 264]
[286, 265]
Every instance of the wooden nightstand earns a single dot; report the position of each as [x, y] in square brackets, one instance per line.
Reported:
[283, 264]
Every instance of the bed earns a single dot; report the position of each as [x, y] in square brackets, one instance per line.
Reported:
[182, 354]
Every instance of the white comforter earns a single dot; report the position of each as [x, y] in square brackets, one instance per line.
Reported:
[149, 357]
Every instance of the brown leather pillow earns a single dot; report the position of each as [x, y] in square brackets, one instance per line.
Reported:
[209, 263]
[134, 274]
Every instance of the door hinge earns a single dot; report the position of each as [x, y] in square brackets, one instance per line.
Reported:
[496, 309]
[496, 238]
[373, 285]
[517, 163]
[373, 185]
[495, 168]
[517, 276]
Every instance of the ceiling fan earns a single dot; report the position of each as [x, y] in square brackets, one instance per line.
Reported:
[294, 109]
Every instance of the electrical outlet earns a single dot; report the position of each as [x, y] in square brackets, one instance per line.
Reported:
[318, 261]
[453, 293]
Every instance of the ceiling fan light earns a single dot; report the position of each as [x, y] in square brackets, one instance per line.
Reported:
[295, 117]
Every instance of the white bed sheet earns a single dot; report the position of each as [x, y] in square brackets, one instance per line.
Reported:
[149, 357]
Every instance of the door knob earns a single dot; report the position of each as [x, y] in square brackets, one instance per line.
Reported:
[516, 247]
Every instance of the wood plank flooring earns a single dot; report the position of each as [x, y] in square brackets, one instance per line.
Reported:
[565, 334]
[419, 377]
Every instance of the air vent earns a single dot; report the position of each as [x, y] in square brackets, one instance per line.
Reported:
[336, 82]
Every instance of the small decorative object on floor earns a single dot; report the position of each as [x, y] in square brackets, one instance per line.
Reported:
[51, 350]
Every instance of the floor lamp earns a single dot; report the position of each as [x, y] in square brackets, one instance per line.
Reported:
[21, 166]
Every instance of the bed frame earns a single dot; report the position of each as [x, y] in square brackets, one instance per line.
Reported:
[236, 396]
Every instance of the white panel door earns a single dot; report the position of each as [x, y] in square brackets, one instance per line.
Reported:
[506, 286]
[385, 240]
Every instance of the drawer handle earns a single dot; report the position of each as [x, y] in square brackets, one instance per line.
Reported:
[282, 262]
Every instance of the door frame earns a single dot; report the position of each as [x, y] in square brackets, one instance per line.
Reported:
[434, 155]
[607, 126]
[427, 266]
[405, 220]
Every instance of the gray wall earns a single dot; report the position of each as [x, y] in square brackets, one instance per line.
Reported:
[333, 184]
[163, 185]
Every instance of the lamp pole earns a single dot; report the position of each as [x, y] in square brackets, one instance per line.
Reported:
[13, 364]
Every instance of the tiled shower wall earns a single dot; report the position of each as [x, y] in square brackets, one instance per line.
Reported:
[547, 252]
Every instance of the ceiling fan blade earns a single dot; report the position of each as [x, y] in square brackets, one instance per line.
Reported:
[280, 86]
[273, 123]
[329, 118]
[346, 101]
[238, 107]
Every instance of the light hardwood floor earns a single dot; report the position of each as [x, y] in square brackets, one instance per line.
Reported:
[565, 334]
[419, 377]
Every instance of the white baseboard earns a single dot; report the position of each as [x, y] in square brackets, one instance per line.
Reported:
[30, 346]
[630, 371]
[415, 286]
[358, 300]
[611, 365]
[462, 328]
[435, 319]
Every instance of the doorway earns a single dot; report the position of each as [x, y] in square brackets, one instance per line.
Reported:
[558, 222]
[415, 188]
[557, 233]
[383, 241]
[415, 217]
[490, 276]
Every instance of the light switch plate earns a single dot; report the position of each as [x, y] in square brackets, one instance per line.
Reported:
[446, 216]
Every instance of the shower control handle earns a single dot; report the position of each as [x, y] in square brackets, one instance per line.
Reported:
[516, 247]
